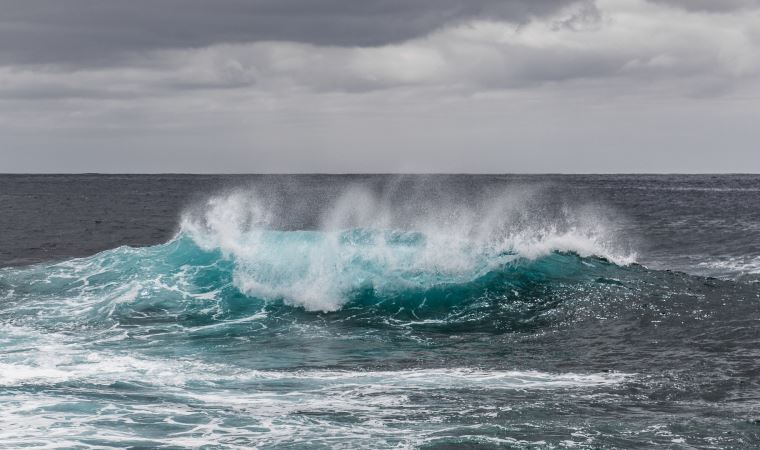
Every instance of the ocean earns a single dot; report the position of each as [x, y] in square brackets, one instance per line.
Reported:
[380, 311]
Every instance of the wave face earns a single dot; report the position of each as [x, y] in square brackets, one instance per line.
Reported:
[379, 321]
[311, 271]
[364, 245]
[228, 256]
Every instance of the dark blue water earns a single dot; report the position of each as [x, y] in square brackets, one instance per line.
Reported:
[380, 311]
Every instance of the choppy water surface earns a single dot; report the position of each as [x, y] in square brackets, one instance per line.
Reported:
[381, 312]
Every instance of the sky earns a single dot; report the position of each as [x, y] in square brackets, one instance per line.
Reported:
[346, 86]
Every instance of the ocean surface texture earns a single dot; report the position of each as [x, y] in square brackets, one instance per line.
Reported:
[380, 311]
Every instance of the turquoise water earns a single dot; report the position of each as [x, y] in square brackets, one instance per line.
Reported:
[452, 329]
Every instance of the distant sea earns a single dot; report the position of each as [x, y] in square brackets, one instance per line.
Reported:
[380, 311]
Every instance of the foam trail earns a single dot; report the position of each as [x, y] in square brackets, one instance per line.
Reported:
[52, 362]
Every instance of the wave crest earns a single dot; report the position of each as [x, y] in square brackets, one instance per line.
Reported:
[389, 244]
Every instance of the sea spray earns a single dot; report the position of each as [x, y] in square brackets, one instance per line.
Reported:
[371, 242]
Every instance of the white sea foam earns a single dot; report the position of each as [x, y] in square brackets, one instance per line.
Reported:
[367, 241]
[54, 364]
[271, 407]
[732, 267]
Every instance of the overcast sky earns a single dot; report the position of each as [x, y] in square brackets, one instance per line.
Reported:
[379, 86]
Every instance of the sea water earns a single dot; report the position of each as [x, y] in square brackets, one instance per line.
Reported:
[380, 312]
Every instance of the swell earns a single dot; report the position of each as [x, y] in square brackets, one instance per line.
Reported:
[179, 292]
[504, 264]
[181, 281]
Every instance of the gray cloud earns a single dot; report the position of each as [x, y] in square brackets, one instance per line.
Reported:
[100, 31]
[711, 5]
[352, 85]
[592, 45]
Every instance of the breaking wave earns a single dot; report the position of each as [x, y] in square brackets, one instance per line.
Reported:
[363, 244]
[424, 263]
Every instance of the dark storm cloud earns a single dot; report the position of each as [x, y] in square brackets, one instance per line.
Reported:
[99, 31]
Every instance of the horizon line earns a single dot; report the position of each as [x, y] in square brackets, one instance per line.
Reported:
[374, 173]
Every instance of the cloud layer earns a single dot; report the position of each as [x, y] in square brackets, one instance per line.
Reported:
[88, 72]
[100, 31]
